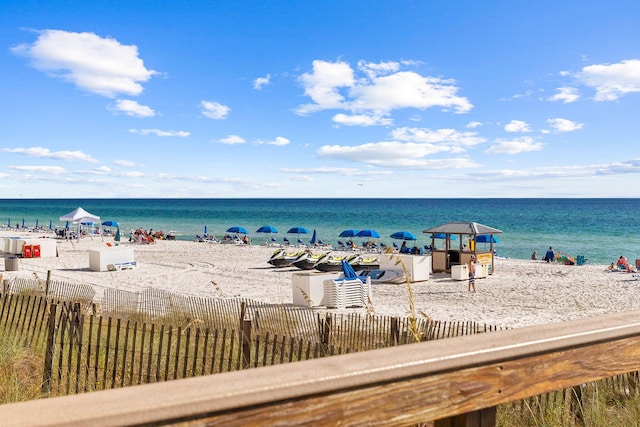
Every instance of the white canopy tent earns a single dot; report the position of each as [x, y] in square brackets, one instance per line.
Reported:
[78, 216]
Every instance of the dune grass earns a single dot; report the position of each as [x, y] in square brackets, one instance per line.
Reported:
[20, 372]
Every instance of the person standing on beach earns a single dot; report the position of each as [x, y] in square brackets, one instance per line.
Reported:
[472, 273]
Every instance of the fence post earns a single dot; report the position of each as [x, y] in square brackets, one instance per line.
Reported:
[246, 344]
[395, 331]
[48, 355]
[46, 285]
[326, 333]
[482, 418]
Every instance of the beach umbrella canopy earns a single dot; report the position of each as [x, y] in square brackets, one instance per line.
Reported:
[313, 237]
[37, 223]
[237, 229]
[117, 238]
[486, 238]
[403, 235]
[111, 223]
[348, 233]
[266, 229]
[368, 233]
[298, 230]
[443, 236]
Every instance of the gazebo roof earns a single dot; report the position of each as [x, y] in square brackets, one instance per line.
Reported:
[472, 228]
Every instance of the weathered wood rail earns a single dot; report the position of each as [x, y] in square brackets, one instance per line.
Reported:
[456, 381]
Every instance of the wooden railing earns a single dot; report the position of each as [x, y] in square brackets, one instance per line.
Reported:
[457, 381]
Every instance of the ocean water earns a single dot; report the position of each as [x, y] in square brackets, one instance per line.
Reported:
[599, 229]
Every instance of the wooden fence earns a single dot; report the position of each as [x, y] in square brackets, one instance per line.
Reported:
[457, 381]
[156, 336]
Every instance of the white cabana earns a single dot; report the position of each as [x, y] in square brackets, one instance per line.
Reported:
[79, 216]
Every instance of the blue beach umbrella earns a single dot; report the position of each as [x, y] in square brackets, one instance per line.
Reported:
[111, 224]
[266, 229]
[50, 225]
[9, 223]
[67, 225]
[368, 233]
[37, 222]
[443, 236]
[117, 237]
[205, 229]
[313, 237]
[486, 238]
[22, 222]
[298, 230]
[348, 233]
[237, 229]
[403, 235]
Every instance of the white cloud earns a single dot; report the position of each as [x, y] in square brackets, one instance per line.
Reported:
[95, 64]
[279, 141]
[336, 171]
[444, 137]
[132, 108]
[261, 81]
[214, 110]
[362, 120]
[611, 81]
[473, 125]
[163, 133]
[515, 146]
[381, 89]
[564, 125]
[323, 83]
[51, 170]
[566, 95]
[517, 126]
[232, 139]
[125, 163]
[395, 155]
[58, 155]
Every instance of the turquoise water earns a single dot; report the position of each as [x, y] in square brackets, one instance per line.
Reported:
[600, 229]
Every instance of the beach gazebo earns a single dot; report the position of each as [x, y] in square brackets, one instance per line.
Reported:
[444, 258]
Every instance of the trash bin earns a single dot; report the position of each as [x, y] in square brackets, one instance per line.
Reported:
[11, 263]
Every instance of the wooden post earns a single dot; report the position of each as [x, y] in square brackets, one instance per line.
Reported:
[326, 333]
[246, 344]
[48, 356]
[46, 285]
[395, 332]
[482, 418]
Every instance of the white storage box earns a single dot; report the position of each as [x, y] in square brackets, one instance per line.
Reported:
[460, 272]
[101, 259]
[308, 287]
[418, 266]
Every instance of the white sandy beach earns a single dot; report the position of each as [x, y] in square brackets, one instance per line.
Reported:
[519, 293]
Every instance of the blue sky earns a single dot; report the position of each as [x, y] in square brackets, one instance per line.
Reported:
[320, 99]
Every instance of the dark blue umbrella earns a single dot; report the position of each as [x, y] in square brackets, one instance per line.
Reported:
[9, 223]
[237, 229]
[486, 238]
[443, 236]
[205, 229]
[313, 238]
[117, 238]
[266, 229]
[37, 223]
[22, 222]
[111, 224]
[50, 225]
[368, 233]
[403, 235]
[348, 233]
[298, 230]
